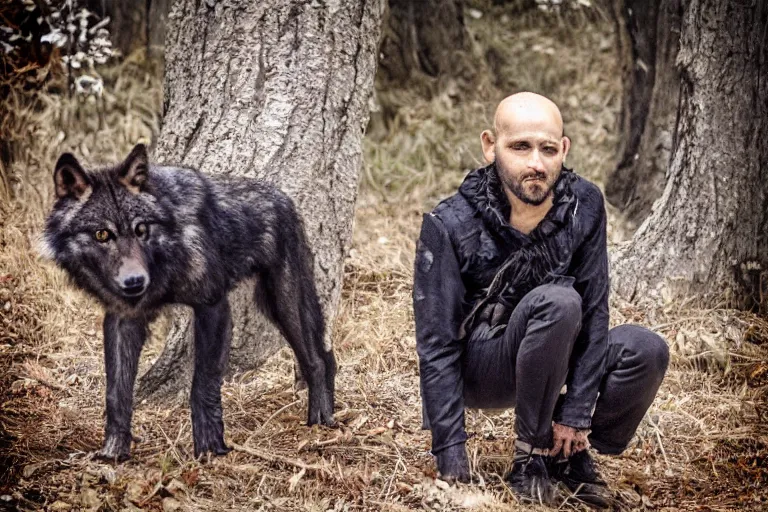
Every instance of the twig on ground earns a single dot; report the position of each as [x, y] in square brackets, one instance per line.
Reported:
[276, 413]
[273, 416]
[327, 442]
[47, 383]
[275, 458]
[341, 448]
[658, 438]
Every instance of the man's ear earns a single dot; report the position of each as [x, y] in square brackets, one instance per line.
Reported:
[566, 146]
[489, 145]
[134, 171]
[70, 178]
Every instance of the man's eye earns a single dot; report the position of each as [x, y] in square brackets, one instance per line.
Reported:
[520, 147]
[102, 235]
[141, 230]
[550, 151]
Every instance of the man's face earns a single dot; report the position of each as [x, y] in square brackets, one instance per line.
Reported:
[528, 146]
[529, 164]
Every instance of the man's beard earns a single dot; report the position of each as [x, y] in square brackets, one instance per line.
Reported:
[531, 192]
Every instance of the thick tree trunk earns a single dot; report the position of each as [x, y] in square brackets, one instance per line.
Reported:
[425, 44]
[275, 90]
[648, 36]
[708, 233]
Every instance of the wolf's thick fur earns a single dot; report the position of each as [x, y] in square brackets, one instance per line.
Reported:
[139, 236]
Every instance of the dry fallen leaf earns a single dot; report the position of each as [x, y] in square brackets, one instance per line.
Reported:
[134, 491]
[442, 484]
[171, 505]
[191, 477]
[376, 431]
[30, 469]
[294, 480]
[358, 422]
[175, 486]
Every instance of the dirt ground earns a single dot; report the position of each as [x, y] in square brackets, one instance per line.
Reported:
[702, 446]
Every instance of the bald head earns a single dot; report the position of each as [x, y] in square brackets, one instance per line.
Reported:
[528, 147]
[528, 109]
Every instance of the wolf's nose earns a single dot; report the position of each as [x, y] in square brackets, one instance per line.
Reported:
[134, 285]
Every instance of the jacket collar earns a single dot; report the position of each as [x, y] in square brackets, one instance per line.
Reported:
[484, 191]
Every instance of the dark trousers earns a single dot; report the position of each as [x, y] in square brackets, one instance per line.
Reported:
[527, 366]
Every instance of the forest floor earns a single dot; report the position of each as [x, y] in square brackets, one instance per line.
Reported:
[702, 446]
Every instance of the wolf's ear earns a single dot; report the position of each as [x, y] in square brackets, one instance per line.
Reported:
[70, 178]
[134, 172]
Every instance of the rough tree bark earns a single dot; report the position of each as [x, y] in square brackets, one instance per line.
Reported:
[648, 40]
[275, 90]
[426, 44]
[708, 233]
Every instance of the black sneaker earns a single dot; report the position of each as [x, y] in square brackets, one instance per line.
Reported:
[529, 479]
[579, 475]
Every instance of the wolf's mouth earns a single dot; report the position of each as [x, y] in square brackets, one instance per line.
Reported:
[134, 292]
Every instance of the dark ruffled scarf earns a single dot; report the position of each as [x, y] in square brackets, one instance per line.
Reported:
[538, 259]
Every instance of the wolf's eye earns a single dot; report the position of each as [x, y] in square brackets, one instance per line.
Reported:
[102, 235]
[141, 230]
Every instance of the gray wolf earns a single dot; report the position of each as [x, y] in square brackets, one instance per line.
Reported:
[138, 236]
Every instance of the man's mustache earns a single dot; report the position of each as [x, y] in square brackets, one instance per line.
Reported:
[536, 175]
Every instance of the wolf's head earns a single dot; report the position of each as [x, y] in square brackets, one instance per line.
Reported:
[110, 232]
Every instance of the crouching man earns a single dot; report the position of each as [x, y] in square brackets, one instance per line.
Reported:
[511, 303]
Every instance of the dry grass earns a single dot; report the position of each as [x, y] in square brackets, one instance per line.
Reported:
[703, 445]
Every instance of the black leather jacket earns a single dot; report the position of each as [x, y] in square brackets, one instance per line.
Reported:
[464, 242]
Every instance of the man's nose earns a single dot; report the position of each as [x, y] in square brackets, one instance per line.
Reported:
[535, 161]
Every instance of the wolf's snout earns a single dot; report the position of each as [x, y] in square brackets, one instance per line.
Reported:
[132, 278]
[134, 285]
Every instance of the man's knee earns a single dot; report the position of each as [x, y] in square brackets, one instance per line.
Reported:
[648, 348]
[559, 302]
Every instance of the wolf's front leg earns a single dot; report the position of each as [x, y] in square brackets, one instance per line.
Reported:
[123, 339]
[213, 333]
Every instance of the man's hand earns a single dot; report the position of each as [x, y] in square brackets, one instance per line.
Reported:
[452, 463]
[568, 439]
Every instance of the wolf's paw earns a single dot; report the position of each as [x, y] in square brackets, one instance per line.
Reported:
[321, 419]
[116, 449]
[213, 447]
[209, 440]
[321, 411]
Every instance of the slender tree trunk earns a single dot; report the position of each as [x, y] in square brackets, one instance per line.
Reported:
[157, 20]
[708, 233]
[276, 90]
[135, 24]
[426, 44]
[648, 36]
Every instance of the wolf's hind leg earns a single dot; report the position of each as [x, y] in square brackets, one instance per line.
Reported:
[330, 373]
[213, 334]
[123, 339]
[287, 294]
